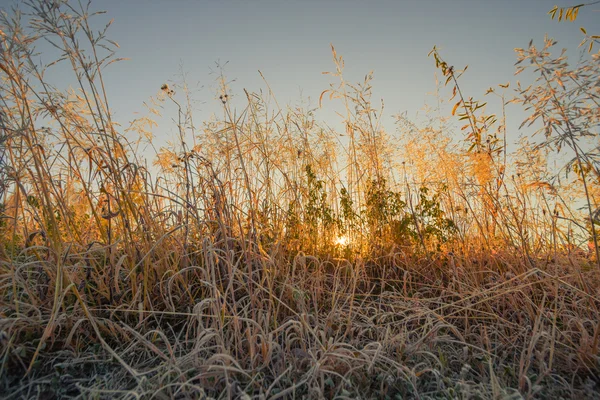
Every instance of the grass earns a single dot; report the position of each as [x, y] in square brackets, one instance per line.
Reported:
[262, 257]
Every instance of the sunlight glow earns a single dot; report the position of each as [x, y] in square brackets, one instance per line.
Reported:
[342, 240]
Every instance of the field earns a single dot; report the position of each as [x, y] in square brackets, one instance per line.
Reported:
[266, 255]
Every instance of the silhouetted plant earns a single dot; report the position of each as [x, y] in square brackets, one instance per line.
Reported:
[385, 213]
[318, 215]
[435, 224]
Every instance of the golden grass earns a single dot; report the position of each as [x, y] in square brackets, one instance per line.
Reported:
[263, 257]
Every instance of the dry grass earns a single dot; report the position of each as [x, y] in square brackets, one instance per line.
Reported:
[220, 272]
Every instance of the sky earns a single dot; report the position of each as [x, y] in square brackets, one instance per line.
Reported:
[289, 42]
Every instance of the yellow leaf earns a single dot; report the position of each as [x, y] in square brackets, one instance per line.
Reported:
[583, 30]
[455, 107]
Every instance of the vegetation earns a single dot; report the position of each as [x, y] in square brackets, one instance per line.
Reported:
[264, 257]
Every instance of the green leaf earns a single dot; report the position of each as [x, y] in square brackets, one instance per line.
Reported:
[33, 201]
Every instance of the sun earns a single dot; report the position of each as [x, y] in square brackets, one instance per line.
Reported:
[342, 240]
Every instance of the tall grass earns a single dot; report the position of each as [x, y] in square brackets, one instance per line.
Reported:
[264, 257]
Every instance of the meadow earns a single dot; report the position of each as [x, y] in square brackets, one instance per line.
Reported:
[266, 255]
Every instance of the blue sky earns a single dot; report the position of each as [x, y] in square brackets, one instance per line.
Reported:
[289, 41]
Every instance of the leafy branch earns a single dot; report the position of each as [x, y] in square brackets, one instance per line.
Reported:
[570, 14]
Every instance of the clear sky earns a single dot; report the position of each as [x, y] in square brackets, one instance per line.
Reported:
[289, 41]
